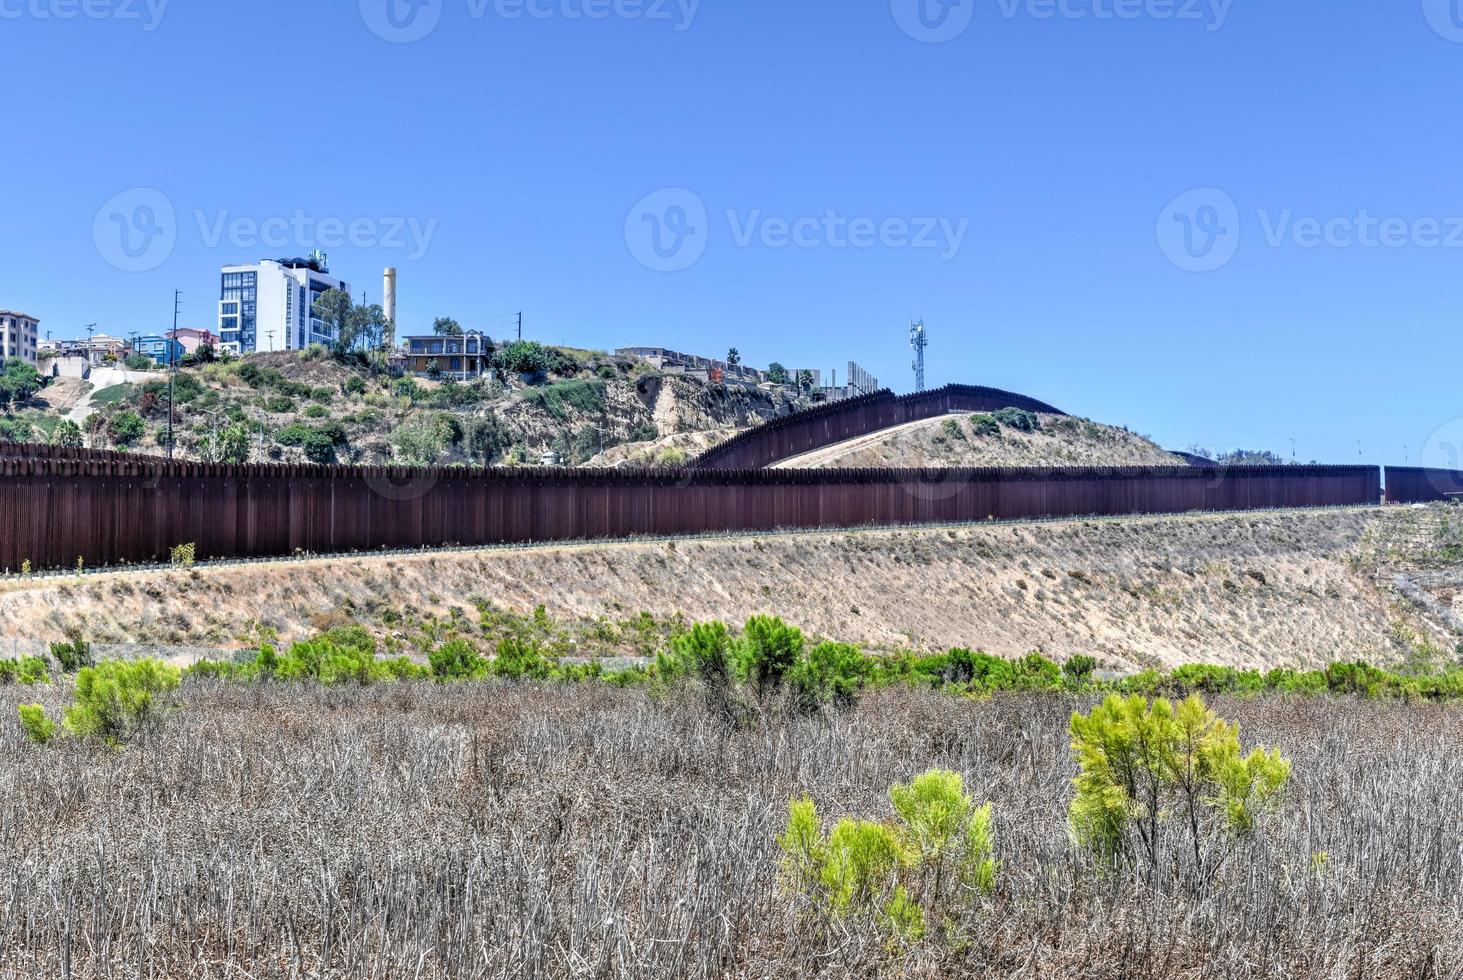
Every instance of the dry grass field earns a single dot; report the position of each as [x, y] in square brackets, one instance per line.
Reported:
[493, 830]
[1268, 589]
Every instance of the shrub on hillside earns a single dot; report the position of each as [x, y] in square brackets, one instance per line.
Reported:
[1018, 419]
[523, 357]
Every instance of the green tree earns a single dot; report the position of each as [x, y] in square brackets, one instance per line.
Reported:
[1145, 768]
[336, 309]
[770, 649]
[447, 327]
[734, 357]
[19, 382]
[523, 357]
[421, 441]
[805, 380]
[777, 374]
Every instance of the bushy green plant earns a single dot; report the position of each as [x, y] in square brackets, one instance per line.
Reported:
[1018, 419]
[117, 699]
[73, 654]
[985, 425]
[934, 860]
[1078, 669]
[520, 660]
[24, 670]
[769, 649]
[1148, 767]
[37, 726]
[523, 357]
[457, 660]
[830, 673]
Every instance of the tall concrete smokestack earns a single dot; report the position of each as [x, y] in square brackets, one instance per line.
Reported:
[388, 303]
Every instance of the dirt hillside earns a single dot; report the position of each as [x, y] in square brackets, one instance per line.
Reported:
[1259, 590]
[990, 440]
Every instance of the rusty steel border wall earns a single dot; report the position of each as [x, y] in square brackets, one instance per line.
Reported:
[825, 425]
[107, 509]
[1420, 485]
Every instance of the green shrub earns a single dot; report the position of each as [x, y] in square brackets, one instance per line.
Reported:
[73, 654]
[318, 447]
[126, 427]
[24, 670]
[560, 398]
[951, 430]
[38, 728]
[769, 650]
[1078, 669]
[354, 385]
[523, 357]
[1146, 768]
[117, 699]
[183, 555]
[279, 404]
[1018, 419]
[316, 412]
[830, 673]
[457, 660]
[323, 396]
[928, 866]
[520, 660]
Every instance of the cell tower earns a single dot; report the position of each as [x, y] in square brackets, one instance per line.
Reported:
[919, 341]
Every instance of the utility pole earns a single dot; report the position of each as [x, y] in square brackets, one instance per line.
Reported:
[919, 341]
[172, 370]
[520, 326]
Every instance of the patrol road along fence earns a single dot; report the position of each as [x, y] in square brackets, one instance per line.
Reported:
[825, 425]
[58, 506]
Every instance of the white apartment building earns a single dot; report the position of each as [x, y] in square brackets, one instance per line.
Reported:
[19, 336]
[269, 306]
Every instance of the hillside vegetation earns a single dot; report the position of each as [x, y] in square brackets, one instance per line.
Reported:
[1007, 438]
[313, 407]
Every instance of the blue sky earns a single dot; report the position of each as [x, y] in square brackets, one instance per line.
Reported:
[1008, 167]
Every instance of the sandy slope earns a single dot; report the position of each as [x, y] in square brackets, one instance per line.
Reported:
[1264, 589]
[954, 441]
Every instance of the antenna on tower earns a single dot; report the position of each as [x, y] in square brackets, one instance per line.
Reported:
[919, 341]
